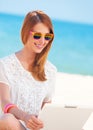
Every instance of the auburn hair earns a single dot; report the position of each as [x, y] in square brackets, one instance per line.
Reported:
[31, 19]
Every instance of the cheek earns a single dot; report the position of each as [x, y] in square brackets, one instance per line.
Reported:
[46, 43]
[30, 40]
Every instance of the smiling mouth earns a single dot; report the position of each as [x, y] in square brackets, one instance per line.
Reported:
[39, 45]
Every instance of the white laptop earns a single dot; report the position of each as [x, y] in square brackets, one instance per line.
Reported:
[89, 124]
[57, 117]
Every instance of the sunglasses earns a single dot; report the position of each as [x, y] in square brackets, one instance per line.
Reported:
[38, 35]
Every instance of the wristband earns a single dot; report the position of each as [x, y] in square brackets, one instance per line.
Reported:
[8, 107]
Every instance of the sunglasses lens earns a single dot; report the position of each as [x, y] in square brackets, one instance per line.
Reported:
[48, 37]
[37, 36]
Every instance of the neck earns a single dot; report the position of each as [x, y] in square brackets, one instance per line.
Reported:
[26, 58]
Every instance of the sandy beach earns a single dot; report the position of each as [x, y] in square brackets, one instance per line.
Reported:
[72, 89]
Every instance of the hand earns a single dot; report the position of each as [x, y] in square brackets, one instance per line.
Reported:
[32, 122]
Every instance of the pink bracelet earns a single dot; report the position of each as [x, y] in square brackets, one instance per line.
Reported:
[8, 106]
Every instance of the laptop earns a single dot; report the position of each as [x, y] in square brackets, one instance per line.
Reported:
[57, 117]
[89, 124]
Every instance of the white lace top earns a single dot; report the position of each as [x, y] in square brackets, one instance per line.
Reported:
[27, 93]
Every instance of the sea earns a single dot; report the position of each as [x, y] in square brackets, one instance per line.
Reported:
[72, 48]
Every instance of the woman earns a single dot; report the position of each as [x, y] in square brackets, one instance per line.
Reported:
[27, 78]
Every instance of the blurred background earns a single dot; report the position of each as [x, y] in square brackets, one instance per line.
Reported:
[72, 49]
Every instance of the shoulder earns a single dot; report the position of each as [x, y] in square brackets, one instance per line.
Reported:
[50, 68]
[7, 61]
[6, 58]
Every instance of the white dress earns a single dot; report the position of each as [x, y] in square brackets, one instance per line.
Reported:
[27, 93]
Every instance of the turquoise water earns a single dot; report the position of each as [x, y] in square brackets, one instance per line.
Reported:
[72, 49]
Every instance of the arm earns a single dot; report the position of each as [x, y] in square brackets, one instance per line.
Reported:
[30, 121]
[5, 99]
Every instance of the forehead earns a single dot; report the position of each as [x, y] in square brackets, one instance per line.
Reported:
[40, 27]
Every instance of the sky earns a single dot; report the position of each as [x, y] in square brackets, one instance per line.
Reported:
[67, 10]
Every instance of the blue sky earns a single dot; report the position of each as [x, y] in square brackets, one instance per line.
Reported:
[70, 10]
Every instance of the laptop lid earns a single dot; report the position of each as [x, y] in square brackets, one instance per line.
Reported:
[57, 117]
[89, 123]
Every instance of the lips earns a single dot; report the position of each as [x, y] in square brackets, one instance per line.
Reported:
[39, 45]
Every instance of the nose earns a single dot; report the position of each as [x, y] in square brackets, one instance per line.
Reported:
[42, 40]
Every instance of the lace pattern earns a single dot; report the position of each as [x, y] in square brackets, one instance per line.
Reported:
[25, 91]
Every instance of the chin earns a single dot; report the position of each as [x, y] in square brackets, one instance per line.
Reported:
[39, 51]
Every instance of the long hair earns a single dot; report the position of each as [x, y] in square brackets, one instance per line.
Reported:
[31, 19]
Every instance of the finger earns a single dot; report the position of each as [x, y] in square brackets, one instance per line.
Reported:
[31, 122]
[31, 126]
[36, 120]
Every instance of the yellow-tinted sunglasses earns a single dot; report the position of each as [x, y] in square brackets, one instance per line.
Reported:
[38, 35]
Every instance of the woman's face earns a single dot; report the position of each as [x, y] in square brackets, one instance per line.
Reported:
[37, 42]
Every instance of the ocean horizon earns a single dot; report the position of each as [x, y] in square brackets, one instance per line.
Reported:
[72, 48]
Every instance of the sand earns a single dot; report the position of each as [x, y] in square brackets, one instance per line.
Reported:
[72, 89]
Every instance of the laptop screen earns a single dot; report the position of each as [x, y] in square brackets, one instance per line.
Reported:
[57, 117]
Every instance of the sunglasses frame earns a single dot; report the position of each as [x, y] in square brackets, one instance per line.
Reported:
[42, 34]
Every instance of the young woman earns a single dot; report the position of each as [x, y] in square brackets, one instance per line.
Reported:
[27, 78]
